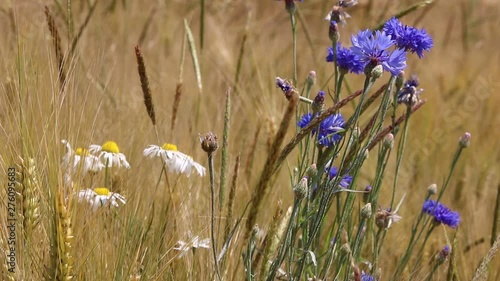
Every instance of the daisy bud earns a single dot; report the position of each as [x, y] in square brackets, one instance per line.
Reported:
[209, 142]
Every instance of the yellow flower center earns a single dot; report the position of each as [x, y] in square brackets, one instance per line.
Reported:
[81, 152]
[101, 191]
[169, 146]
[111, 146]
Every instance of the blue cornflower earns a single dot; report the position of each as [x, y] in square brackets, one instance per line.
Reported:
[347, 60]
[373, 50]
[329, 128]
[409, 93]
[408, 38]
[441, 213]
[344, 182]
[305, 120]
[367, 277]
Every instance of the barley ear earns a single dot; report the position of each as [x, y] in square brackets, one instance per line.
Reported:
[64, 239]
[30, 187]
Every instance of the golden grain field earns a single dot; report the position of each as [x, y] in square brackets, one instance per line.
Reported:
[246, 45]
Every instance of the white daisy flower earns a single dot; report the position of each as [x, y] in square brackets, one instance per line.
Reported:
[74, 158]
[100, 196]
[195, 243]
[110, 153]
[175, 160]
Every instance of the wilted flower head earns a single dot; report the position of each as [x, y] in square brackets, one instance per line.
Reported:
[73, 159]
[373, 50]
[441, 213]
[285, 86]
[329, 129]
[110, 153]
[347, 60]
[385, 217]
[337, 12]
[408, 38]
[409, 93]
[209, 142]
[175, 160]
[100, 197]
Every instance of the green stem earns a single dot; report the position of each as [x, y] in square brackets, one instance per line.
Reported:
[212, 230]
[294, 46]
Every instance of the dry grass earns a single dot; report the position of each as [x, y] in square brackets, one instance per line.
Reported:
[102, 100]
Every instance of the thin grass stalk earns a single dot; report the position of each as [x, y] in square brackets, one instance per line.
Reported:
[82, 28]
[179, 86]
[399, 155]
[232, 195]
[56, 40]
[293, 23]
[307, 33]
[269, 166]
[194, 56]
[69, 18]
[146, 26]
[452, 266]
[251, 153]
[481, 271]
[146, 90]
[496, 217]
[225, 143]
[241, 54]
[202, 24]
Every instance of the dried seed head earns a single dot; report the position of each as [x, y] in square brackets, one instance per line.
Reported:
[209, 142]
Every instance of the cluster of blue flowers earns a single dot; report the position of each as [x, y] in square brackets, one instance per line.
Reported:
[371, 49]
[441, 213]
